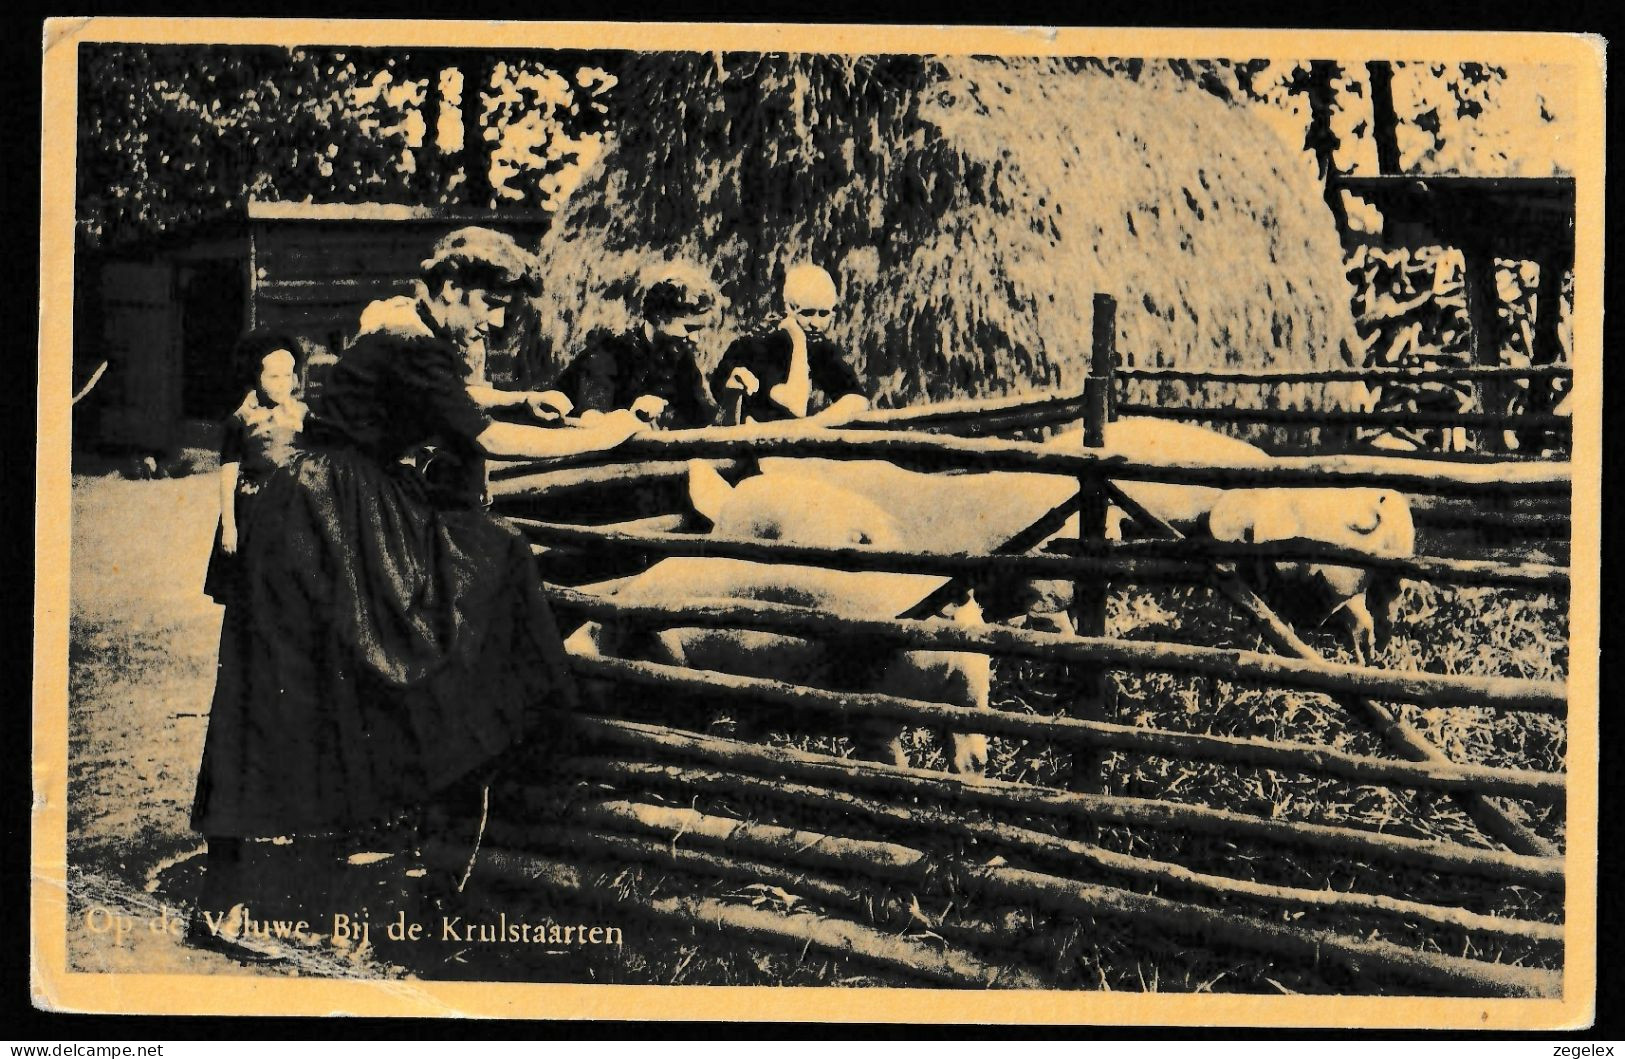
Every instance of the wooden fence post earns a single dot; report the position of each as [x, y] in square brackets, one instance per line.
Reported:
[1548, 349]
[1093, 689]
[1485, 333]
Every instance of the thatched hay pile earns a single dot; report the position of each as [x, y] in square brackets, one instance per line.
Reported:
[969, 208]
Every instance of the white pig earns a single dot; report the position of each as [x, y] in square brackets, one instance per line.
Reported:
[822, 515]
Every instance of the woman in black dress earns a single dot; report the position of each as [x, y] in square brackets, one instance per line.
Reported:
[394, 639]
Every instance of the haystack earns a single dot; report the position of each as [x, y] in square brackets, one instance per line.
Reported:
[969, 208]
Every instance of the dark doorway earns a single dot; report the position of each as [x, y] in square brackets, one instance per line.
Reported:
[212, 304]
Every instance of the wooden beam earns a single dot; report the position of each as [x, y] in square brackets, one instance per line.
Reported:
[1008, 423]
[861, 896]
[1366, 375]
[1003, 414]
[1321, 416]
[1090, 687]
[1363, 959]
[839, 938]
[1498, 820]
[1384, 122]
[1140, 560]
[1485, 334]
[1065, 405]
[1080, 731]
[1546, 873]
[1501, 821]
[509, 481]
[1543, 577]
[992, 454]
[1251, 667]
[1074, 855]
[892, 860]
[969, 567]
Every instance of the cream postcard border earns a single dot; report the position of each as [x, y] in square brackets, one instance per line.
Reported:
[55, 987]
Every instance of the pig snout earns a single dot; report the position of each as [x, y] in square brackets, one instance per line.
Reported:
[1042, 605]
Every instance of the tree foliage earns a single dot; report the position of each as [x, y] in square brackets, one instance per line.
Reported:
[170, 137]
[1399, 117]
[174, 136]
[544, 123]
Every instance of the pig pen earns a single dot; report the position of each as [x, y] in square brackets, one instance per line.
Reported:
[1169, 805]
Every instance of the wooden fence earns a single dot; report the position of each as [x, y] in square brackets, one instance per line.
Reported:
[866, 839]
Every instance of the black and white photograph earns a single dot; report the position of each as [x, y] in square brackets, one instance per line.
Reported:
[956, 520]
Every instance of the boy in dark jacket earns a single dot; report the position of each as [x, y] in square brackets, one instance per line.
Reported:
[793, 369]
[650, 369]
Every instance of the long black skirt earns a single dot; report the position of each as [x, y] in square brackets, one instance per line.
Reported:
[377, 650]
[220, 579]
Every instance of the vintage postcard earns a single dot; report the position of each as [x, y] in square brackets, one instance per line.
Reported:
[840, 523]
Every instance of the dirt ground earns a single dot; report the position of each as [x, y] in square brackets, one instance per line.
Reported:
[141, 672]
[143, 643]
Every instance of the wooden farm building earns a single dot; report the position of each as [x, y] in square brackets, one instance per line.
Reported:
[1511, 218]
[164, 316]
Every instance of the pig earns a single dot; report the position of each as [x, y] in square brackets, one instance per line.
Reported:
[968, 512]
[904, 510]
[823, 514]
[826, 516]
[980, 511]
[1375, 521]
[1184, 507]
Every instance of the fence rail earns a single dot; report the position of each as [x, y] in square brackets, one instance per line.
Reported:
[938, 635]
[919, 960]
[1043, 846]
[1261, 753]
[885, 918]
[506, 477]
[901, 863]
[989, 454]
[1136, 560]
[1068, 405]
[1373, 374]
[1502, 820]
[1320, 417]
[786, 764]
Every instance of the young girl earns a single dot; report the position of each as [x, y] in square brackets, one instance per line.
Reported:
[259, 437]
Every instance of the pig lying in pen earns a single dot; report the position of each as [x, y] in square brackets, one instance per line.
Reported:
[969, 512]
[823, 515]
